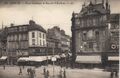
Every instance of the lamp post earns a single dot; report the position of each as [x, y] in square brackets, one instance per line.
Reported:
[53, 60]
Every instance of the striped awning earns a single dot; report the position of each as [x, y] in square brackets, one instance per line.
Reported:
[88, 59]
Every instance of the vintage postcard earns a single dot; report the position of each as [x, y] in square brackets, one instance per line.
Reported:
[59, 38]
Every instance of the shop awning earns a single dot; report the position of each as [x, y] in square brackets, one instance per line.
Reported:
[3, 58]
[38, 58]
[88, 59]
[113, 58]
[24, 59]
[33, 58]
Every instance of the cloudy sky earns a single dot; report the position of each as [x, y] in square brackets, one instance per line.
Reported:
[46, 15]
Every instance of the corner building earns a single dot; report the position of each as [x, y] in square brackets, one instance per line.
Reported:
[25, 40]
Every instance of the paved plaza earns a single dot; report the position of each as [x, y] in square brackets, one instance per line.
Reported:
[13, 72]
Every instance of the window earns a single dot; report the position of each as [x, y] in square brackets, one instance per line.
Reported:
[43, 36]
[84, 35]
[90, 45]
[94, 22]
[33, 41]
[43, 43]
[97, 34]
[33, 34]
[40, 42]
[40, 35]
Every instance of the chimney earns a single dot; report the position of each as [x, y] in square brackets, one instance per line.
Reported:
[31, 22]
[11, 24]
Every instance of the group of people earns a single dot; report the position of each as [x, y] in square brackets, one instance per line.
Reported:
[62, 74]
[114, 72]
[31, 72]
[46, 73]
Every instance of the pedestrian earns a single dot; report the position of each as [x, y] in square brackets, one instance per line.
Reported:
[44, 70]
[31, 74]
[28, 71]
[116, 73]
[20, 72]
[64, 74]
[112, 73]
[47, 74]
[34, 72]
[4, 67]
[60, 74]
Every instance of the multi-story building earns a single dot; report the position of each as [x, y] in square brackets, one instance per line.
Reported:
[53, 44]
[25, 40]
[90, 29]
[3, 41]
[113, 50]
[65, 41]
[57, 33]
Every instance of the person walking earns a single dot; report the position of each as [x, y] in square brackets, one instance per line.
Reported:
[20, 72]
[34, 72]
[60, 74]
[64, 74]
[28, 71]
[116, 73]
[112, 73]
[47, 74]
[31, 74]
[44, 70]
[4, 67]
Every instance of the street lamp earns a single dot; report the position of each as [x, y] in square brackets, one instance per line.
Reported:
[53, 60]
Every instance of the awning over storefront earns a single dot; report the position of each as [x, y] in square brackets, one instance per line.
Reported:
[24, 59]
[3, 58]
[113, 58]
[88, 59]
[38, 58]
[33, 58]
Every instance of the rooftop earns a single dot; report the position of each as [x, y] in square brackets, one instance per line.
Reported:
[93, 9]
[26, 27]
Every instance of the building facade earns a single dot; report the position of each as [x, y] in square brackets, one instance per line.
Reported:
[90, 29]
[53, 44]
[25, 40]
[58, 34]
[113, 51]
[3, 41]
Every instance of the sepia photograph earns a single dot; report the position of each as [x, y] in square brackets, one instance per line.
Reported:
[59, 38]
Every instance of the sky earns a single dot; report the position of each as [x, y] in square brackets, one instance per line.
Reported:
[47, 15]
